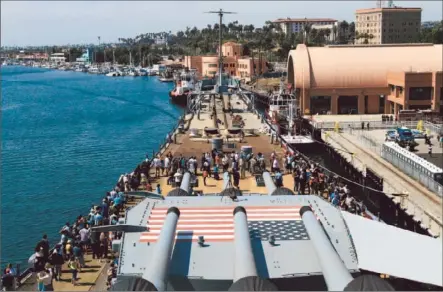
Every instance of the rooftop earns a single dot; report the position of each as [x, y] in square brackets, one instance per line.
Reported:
[283, 20]
[389, 9]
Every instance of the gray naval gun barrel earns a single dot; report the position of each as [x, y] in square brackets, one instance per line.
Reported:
[186, 182]
[245, 271]
[269, 183]
[244, 258]
[158, 270]
[336, 275]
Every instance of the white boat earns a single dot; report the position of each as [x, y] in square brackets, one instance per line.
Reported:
[114, 74]
[93, 70]
[185, 83]
[283, 116]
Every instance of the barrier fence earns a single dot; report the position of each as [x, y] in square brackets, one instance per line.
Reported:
[404, 165]
[417, 210]
[433, 128]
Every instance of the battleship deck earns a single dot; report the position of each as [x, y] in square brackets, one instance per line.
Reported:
[187, 145]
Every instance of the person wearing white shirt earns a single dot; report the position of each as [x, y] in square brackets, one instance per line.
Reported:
[178, 178]
[167, 163]
[157, 164]
[275, 165]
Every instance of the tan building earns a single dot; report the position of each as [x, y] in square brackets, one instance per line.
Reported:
[234, 63]
[367, 79]
[388, 25]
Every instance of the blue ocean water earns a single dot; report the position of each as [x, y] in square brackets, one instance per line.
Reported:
[66, 138]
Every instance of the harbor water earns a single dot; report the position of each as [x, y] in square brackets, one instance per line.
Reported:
[66, 138]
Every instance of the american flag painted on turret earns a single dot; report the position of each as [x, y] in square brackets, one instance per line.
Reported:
[216, 224]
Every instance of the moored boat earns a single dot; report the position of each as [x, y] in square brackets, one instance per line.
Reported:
[185, 83]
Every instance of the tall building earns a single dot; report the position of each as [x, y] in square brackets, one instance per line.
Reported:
[387, 25]
[295, 25]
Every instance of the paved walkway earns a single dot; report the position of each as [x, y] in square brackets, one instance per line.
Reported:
[422, 203]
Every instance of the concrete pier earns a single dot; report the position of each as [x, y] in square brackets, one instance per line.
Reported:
[425, 205]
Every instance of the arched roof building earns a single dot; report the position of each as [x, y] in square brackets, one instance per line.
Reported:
[404, 75]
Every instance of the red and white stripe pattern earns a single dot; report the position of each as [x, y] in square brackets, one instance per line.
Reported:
[216, 224]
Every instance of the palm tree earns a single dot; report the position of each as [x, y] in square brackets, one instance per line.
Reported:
[327, 34]
[334, 32]
[306, 30]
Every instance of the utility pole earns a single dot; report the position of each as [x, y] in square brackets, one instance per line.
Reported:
[220, 56]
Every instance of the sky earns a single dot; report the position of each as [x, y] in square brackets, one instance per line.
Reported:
[77, 22]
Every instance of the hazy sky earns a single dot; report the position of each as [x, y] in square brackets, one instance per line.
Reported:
[73, 22]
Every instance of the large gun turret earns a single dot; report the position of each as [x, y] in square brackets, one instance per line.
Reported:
[336, 275]
[269, 183]
[245, 271]
[159, 263]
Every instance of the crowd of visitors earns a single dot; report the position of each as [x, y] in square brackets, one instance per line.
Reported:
[77, 240]
[308, 177]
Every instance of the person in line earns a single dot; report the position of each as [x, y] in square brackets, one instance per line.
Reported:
[8, 278]
[43, 243]
[78, 254]
[236, 178]
[205, 175]
[278, 179]
[74, 267]
[85, 233]
[56, 260]
[104, 244]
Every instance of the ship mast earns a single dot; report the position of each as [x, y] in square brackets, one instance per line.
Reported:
[220, 56]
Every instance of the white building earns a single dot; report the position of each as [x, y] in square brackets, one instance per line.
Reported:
[295, 25]
[58, 58]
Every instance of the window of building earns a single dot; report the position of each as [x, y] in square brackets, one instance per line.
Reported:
[381, 108]
[420, 93]
[212, 65]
